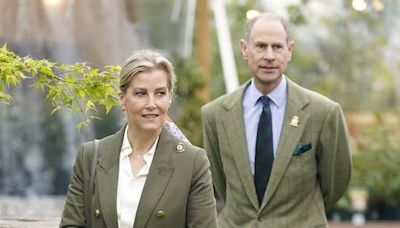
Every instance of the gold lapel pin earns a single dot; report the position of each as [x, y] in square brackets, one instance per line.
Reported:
[294, 122]
[97, 213]
[180, 148]
[160, 214]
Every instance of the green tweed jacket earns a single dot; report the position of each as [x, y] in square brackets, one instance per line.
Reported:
[178, 190]
[311, 169]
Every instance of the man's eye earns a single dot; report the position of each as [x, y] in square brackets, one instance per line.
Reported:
[260, 45]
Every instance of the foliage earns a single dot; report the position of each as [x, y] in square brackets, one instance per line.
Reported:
[190, 99]
[345, 59]
[376, 161]
[77, 87]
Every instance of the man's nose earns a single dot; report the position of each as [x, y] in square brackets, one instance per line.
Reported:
[269, 54]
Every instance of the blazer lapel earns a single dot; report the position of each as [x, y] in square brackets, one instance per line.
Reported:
[289, 138]
[234, 126]
[157, 180]
[107, 176]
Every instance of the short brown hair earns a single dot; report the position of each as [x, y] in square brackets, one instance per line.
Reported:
[272, 16]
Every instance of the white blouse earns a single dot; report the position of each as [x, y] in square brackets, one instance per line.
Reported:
[129, 187]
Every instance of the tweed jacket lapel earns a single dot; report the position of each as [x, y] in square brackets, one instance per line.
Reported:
[233, 123]
[158, 178]
[107, 176]
[289, 138]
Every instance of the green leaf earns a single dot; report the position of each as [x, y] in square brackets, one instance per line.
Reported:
[55, 109]
[81, 124]
[109, 104]
[77, 87]
[5, 98]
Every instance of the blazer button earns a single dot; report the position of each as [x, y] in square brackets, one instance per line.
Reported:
[160, 214]
[97, 213]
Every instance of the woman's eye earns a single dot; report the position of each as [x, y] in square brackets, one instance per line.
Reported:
[161, 93]
[140, 94]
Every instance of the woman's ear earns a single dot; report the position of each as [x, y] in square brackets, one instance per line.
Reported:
[121, 98]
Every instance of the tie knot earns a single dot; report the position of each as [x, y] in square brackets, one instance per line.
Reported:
[265, 101]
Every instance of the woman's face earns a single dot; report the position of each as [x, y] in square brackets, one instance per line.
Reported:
[147, 100]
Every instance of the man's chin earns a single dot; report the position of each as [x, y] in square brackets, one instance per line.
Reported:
[267, 78]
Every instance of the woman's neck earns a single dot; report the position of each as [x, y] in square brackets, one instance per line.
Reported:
[141, 141]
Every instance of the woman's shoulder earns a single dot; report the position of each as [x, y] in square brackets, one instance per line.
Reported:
[188, 147]
[185, 149]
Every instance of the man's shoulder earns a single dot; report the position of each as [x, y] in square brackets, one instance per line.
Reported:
[216, 103]
[226, 100]
[318, 97]
[313, 96]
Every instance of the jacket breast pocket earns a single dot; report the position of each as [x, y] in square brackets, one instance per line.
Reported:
[302, 170]
[302, 148]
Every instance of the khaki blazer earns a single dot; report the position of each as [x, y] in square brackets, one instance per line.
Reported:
[304, 183]
[178, 191]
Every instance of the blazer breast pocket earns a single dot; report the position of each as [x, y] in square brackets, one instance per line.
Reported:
[302, 148]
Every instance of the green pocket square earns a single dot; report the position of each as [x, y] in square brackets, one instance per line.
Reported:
[302, 148]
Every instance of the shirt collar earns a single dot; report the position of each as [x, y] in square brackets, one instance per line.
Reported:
[153, 147]
[277, 96]
[126, 148]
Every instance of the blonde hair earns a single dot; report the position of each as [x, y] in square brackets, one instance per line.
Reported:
[144, 61]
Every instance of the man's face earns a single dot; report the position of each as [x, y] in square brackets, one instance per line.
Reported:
[267, 53]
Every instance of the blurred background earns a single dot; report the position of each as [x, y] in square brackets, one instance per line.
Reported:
[347, 50]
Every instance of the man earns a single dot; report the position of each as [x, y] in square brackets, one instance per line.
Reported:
[279, 153]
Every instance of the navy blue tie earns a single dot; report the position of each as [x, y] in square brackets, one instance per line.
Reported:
[264, 150]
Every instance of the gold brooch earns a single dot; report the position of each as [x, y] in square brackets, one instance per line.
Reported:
[294, 122]
[180, 148]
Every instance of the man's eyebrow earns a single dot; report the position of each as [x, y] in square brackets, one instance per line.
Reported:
[269, 42]
[266, 42]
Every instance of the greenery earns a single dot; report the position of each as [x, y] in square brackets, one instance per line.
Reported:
[190, 99]
[338, 63]
[376, 161]
[77, 87]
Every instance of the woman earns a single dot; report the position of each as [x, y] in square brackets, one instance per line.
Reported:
[145, 176]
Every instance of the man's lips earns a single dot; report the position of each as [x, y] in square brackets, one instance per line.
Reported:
[268, 68]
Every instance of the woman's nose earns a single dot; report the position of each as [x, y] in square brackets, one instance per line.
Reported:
[151, 103]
